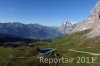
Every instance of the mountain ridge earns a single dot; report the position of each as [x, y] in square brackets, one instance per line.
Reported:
[92, 22]
[32, 31]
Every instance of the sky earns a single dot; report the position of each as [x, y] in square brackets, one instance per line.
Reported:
[45, 12]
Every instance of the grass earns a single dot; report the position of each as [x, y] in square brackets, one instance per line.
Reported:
[77, 41]
[8, 55]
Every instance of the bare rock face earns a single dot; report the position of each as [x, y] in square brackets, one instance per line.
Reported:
[95, 19]
[92, 21]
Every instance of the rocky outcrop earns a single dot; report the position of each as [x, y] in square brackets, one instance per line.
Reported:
[92, 22]
[66, 27]
[96, 14]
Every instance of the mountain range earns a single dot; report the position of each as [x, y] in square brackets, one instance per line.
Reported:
[32, 31]
[36, 31]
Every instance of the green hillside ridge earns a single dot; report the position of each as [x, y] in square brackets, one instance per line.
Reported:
[78, 41]
[27, 56]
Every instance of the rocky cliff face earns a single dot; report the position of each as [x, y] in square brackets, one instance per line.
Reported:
[96, 20]
[92, 22]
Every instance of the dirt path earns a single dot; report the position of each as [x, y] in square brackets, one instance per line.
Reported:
[94, 54]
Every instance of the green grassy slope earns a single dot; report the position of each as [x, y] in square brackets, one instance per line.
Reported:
[82, 45]
[11, 56]
[78, 41]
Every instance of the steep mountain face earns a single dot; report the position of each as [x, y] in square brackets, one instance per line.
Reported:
[66, 27]
[92, 22]
[32, 31]
[96, 14]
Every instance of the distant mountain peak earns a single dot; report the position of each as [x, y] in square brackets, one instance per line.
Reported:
[92, 22]
[66, 27]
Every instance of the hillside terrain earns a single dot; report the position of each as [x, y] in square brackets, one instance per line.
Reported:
[73, 45]
[78, 45]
